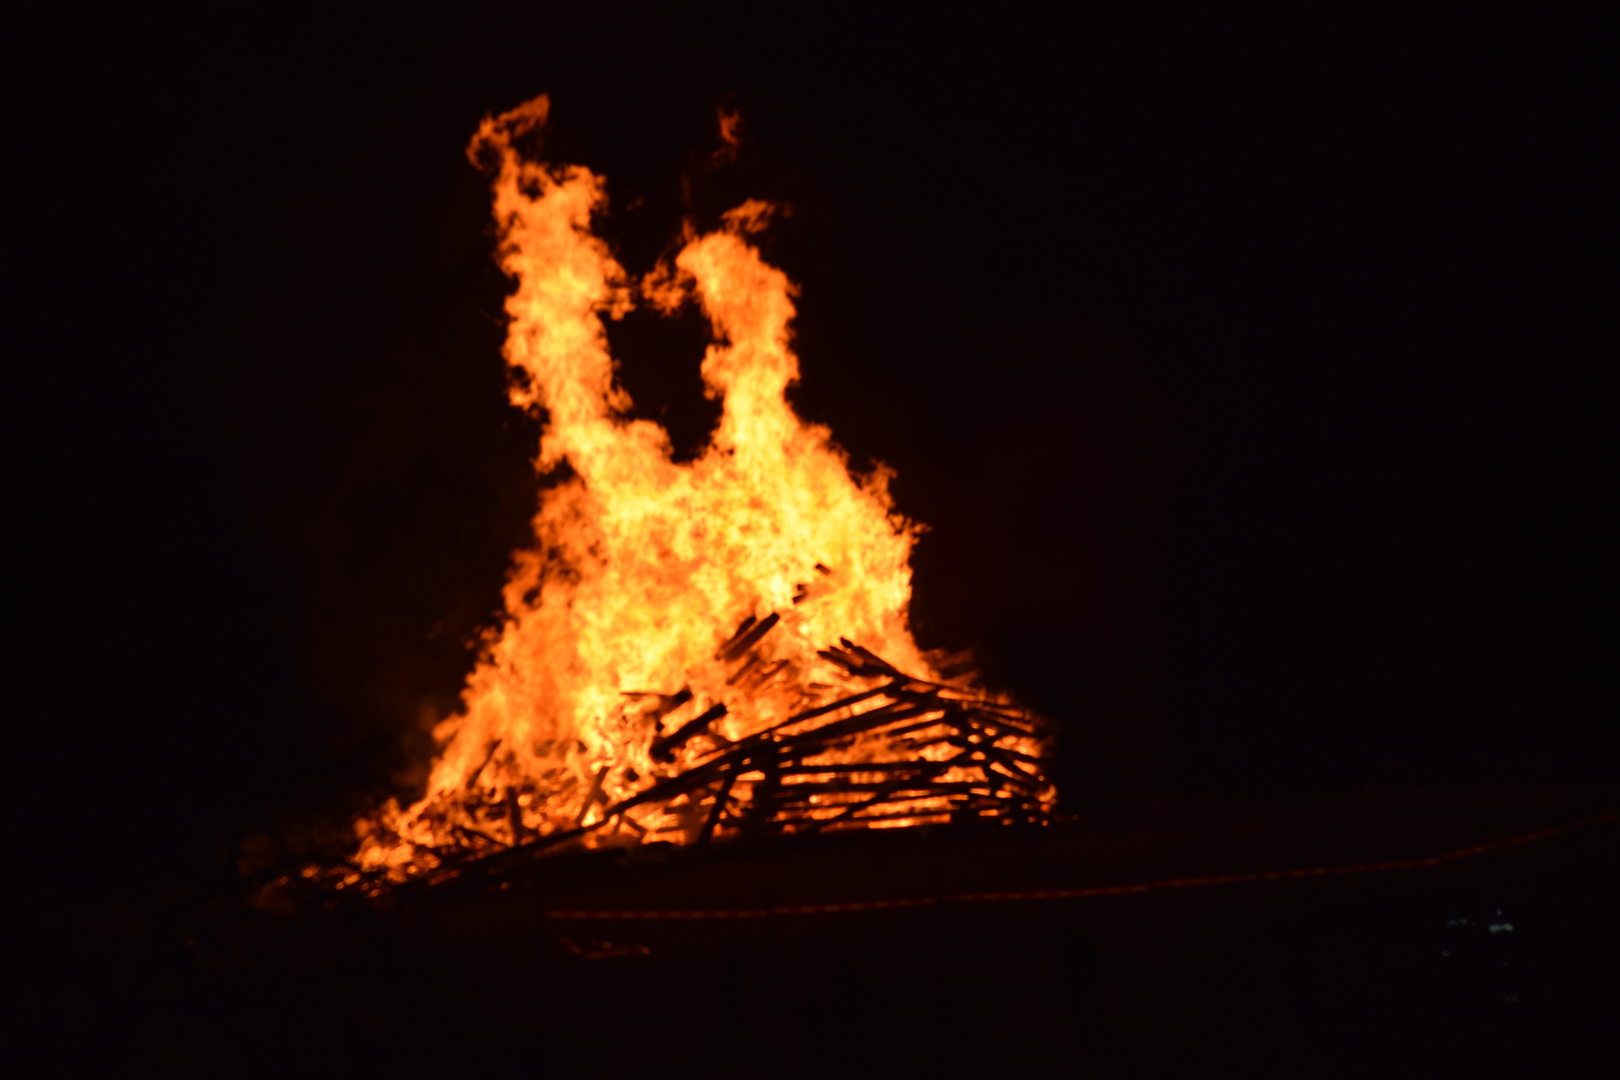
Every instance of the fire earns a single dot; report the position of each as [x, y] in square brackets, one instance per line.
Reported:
[667, 610]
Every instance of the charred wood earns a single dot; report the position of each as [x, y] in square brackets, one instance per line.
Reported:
[593, 796]
[871, 659]
[664, 749]
[748, 636]
[514, 816]
[476, 773]
[719, 808]
[867, 766]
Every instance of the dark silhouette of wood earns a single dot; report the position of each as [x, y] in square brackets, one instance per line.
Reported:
[748, 638]
[664, 749]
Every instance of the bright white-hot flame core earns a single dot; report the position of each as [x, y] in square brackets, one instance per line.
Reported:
[644, 567]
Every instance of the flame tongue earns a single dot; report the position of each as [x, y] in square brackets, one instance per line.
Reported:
[622, 658]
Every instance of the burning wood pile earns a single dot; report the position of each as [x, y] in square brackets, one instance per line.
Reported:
[900, 752]
[948, 757]
[620, 702]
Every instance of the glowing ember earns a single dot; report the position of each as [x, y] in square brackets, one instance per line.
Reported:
[667, 611]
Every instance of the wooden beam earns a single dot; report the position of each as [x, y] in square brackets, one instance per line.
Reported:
[664, 749]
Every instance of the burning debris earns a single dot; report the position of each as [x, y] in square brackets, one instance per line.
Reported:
[678, 660]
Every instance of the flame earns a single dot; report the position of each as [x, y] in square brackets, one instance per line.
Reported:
[643, 568]
[730, 141]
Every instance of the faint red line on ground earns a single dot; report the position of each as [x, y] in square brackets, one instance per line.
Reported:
[1100, 890]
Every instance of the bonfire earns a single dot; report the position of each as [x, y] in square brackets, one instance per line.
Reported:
[691, 650]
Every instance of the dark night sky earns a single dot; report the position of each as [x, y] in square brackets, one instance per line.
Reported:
[1247, 372]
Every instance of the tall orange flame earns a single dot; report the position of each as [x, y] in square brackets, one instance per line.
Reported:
[644, 567]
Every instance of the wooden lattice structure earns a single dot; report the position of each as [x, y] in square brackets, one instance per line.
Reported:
[946, 756]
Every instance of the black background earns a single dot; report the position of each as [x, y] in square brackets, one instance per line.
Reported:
[1248, 370]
